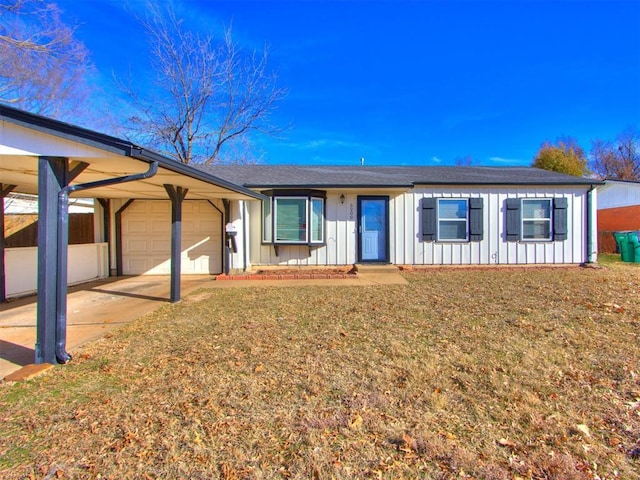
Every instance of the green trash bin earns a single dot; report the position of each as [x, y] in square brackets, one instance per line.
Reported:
[634, 246]
[624, 246]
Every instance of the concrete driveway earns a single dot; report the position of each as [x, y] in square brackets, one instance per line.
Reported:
[92, 310]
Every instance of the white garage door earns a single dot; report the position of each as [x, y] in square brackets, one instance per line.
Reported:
[146, 238]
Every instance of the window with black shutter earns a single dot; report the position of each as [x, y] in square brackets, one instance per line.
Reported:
[452, 219]
[536, 219]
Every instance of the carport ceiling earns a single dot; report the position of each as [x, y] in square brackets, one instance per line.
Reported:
[25, 137]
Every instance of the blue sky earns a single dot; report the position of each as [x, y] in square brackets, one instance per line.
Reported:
[413, 82]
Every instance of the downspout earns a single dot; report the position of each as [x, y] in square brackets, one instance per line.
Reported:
[63, 239]
[245, 230]
[589, 222]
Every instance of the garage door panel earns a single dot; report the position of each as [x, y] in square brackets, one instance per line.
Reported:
[189, 207]
[207, 225]
[146, 232]
[161, 226]
[136, 246]
[137, 227]
[137, 264]
[188, 226]
[161, 246]
[160, 207]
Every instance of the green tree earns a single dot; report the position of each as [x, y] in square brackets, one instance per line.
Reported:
[565, 156]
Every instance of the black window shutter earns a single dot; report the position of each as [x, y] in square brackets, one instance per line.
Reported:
[429, 219]
[476, 223]
[560, 218]
[513, 219]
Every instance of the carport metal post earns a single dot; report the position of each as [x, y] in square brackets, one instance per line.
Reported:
[52, 178]
[4, 191]
[176, 194]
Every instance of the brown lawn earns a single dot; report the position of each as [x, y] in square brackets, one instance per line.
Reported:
[464, 373]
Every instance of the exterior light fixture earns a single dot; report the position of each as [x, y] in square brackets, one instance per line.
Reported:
[342, 198]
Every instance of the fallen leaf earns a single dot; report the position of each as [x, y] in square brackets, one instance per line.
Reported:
[355, 423]
[582, 428]
[409, 443]
[504, 442]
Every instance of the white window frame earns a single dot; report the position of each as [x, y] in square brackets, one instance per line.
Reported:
[267, 221]
[319, 240]
[270, 220]
[548, 220]
[275, 220]
[440, 219]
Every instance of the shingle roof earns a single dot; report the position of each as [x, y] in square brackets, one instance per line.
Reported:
[298, 176]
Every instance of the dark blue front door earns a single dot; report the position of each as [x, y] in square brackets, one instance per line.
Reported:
[373, 229]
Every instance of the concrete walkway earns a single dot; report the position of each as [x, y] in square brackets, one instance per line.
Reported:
[95, 308]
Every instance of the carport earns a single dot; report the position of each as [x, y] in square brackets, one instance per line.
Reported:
[54, 161]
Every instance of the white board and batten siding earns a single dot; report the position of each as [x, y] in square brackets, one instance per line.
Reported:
[405, 243]
[494, 248]
[146, 238]
[340, 237]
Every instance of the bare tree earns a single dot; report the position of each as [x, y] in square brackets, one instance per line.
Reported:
[619, 159]
[209, 96]
[43, 66]
[466, 161]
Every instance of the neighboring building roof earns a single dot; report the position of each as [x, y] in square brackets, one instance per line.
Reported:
[297, 176]
[618, 193]
[610, 181]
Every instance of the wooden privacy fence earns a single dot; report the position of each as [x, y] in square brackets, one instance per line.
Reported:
[21, 230]
[606, 242]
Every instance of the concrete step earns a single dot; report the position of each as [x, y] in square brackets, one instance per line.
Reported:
[377, 268]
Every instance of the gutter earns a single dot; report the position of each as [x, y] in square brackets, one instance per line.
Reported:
[186, 170]
[63, 239]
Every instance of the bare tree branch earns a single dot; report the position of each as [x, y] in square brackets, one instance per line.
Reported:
[618, 159]
[43, 66]
[208, 94]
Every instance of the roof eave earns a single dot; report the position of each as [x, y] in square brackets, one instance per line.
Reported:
[114, 145]
[586, 183]
[183, 169]
[327, 185]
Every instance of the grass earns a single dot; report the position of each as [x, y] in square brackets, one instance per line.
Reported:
[614, 260]
[462, 373]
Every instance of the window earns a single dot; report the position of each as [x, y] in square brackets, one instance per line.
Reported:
[452, 220]
[293, 217]
[536, 219]
[267, 222]
[317, 220]
[290, 220]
